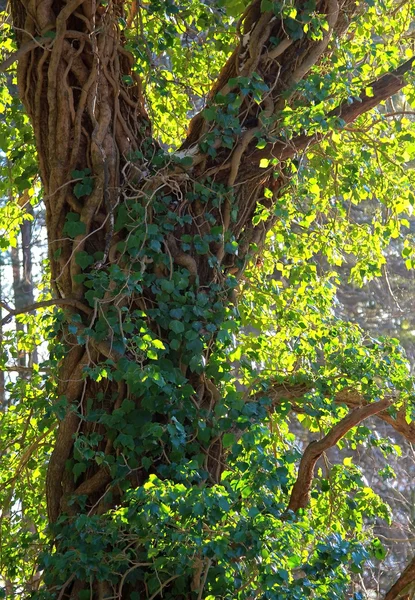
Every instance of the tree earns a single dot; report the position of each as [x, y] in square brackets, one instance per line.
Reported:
[167, 479]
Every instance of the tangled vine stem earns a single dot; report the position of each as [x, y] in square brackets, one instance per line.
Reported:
[118, 247]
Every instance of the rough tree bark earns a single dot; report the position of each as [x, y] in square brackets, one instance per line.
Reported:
[71, 81]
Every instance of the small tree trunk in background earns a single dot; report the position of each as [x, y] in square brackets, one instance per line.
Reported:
[19, 297]
[26, 230]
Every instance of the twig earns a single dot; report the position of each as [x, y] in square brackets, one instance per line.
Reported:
[65, 585]
[21, 369]
[163, 585]
[130, 570]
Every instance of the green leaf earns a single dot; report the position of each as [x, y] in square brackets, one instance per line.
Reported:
[78, 469]
[73, 226]
[158, 344]
[228, 440]
[83, 188]
[267, 5]
[83, 259]
[176, 326]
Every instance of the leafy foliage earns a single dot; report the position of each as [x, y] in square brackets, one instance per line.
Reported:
[196, 344]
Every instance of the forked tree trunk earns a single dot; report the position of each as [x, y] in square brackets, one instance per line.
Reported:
[126, 231]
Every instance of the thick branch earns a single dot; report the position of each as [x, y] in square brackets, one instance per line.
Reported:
[349, 397]
[85, 116]
[398, 422]
[403, 587]
[301, 490]
[381, 89]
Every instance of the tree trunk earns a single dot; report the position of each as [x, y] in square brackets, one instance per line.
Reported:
[146, 250]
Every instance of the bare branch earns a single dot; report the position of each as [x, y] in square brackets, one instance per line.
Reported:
[43, 304]
[301, 490]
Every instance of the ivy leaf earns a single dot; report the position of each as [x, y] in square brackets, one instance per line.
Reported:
[73, 226]
[228, 440]
[176, 326]
[78, 469]
[83, 259]
[267, 5]
[124, 440]
[83, 188]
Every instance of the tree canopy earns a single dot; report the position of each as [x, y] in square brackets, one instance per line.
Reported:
[205, 176]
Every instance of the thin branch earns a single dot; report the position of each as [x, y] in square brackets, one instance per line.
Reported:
[65, 585]
[163, 585]
[24, 459]
[35, 43]
[21, 369]
[205, 574]
[301, 490]
[43, 304]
